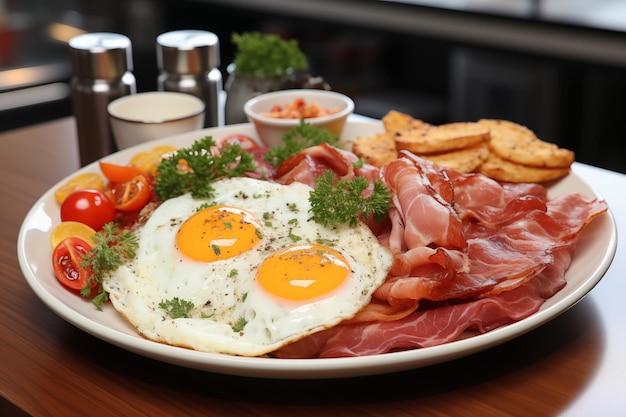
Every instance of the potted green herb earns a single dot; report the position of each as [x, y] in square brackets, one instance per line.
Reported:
[262, 63]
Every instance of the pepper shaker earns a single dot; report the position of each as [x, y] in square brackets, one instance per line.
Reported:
[102, 67]
[188, 62]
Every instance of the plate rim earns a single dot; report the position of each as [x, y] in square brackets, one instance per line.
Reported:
[300, 368]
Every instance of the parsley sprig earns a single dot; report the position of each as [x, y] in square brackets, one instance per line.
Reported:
[193, 169]
[343, 201]
[266, 55]
[112, 247]
[298, 138]
[177, 308]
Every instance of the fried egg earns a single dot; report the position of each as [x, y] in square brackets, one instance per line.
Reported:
[245, 272]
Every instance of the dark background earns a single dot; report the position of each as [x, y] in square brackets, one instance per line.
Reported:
[576, 102]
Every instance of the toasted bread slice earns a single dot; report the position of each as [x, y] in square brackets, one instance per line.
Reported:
[377, 149]
[463, 160]
[519, 144]
[503, 170]
[442, 138]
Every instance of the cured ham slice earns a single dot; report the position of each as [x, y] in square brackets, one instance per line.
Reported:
[436, 325]
[470, 255]
[311, 162]
[511, 232]
[426, 216]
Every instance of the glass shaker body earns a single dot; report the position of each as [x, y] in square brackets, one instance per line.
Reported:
[188, 62]
[102, 64]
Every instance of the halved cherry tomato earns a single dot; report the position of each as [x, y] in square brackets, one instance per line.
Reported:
[64, 230]
[119, 173]
[246, 142]
[88, 206]
[131, 195]
[66, 262]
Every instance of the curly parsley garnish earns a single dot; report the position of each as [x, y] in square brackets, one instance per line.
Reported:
[112, 248]
[192, 169]
[298, 138]
[241, 323]
[177, 308]
[261, 55]
[342, 201]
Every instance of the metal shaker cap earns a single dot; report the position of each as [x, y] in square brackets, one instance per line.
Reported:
[100, 55]
[184, 52]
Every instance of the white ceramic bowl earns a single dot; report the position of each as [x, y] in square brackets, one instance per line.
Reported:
[272, 129]
[138, 118]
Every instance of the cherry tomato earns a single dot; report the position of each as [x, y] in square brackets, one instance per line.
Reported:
[131, 195]
[88, 206]
[119, 173]
[246, 142]
[64, 230]
[66, 262]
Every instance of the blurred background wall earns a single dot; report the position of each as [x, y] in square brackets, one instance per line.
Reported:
[557, 66]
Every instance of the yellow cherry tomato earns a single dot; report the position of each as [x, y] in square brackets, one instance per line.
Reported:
[71, 229]
[147, 161]
[79, 182]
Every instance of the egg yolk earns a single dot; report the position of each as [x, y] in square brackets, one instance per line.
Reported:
[217, 233]
[303, 272]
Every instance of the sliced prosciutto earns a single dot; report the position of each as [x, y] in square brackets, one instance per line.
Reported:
[311, 162]
[470, 254]
[436, 325]
[425, 215]
[510, 232]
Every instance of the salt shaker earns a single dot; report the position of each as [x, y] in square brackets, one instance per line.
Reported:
[188, 62]
[102, 67]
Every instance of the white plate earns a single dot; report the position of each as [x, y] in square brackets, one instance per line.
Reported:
[594, 254]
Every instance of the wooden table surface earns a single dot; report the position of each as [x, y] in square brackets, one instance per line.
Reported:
[573, 366]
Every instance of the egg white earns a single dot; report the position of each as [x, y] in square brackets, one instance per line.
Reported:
[222, 292]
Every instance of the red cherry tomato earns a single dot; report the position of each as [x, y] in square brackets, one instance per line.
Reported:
[66, 262]
[246, 142]
[131, 195]
[88, 206]
[119, 173]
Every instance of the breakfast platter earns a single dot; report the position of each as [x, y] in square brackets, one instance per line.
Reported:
[594, 253]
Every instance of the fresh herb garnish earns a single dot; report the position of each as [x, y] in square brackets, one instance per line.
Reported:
[111, 249]
[241, 323]
[266, 55]
[298, 138]
[342, 201]
[205, 205]
[192, 169]
[177, 308]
